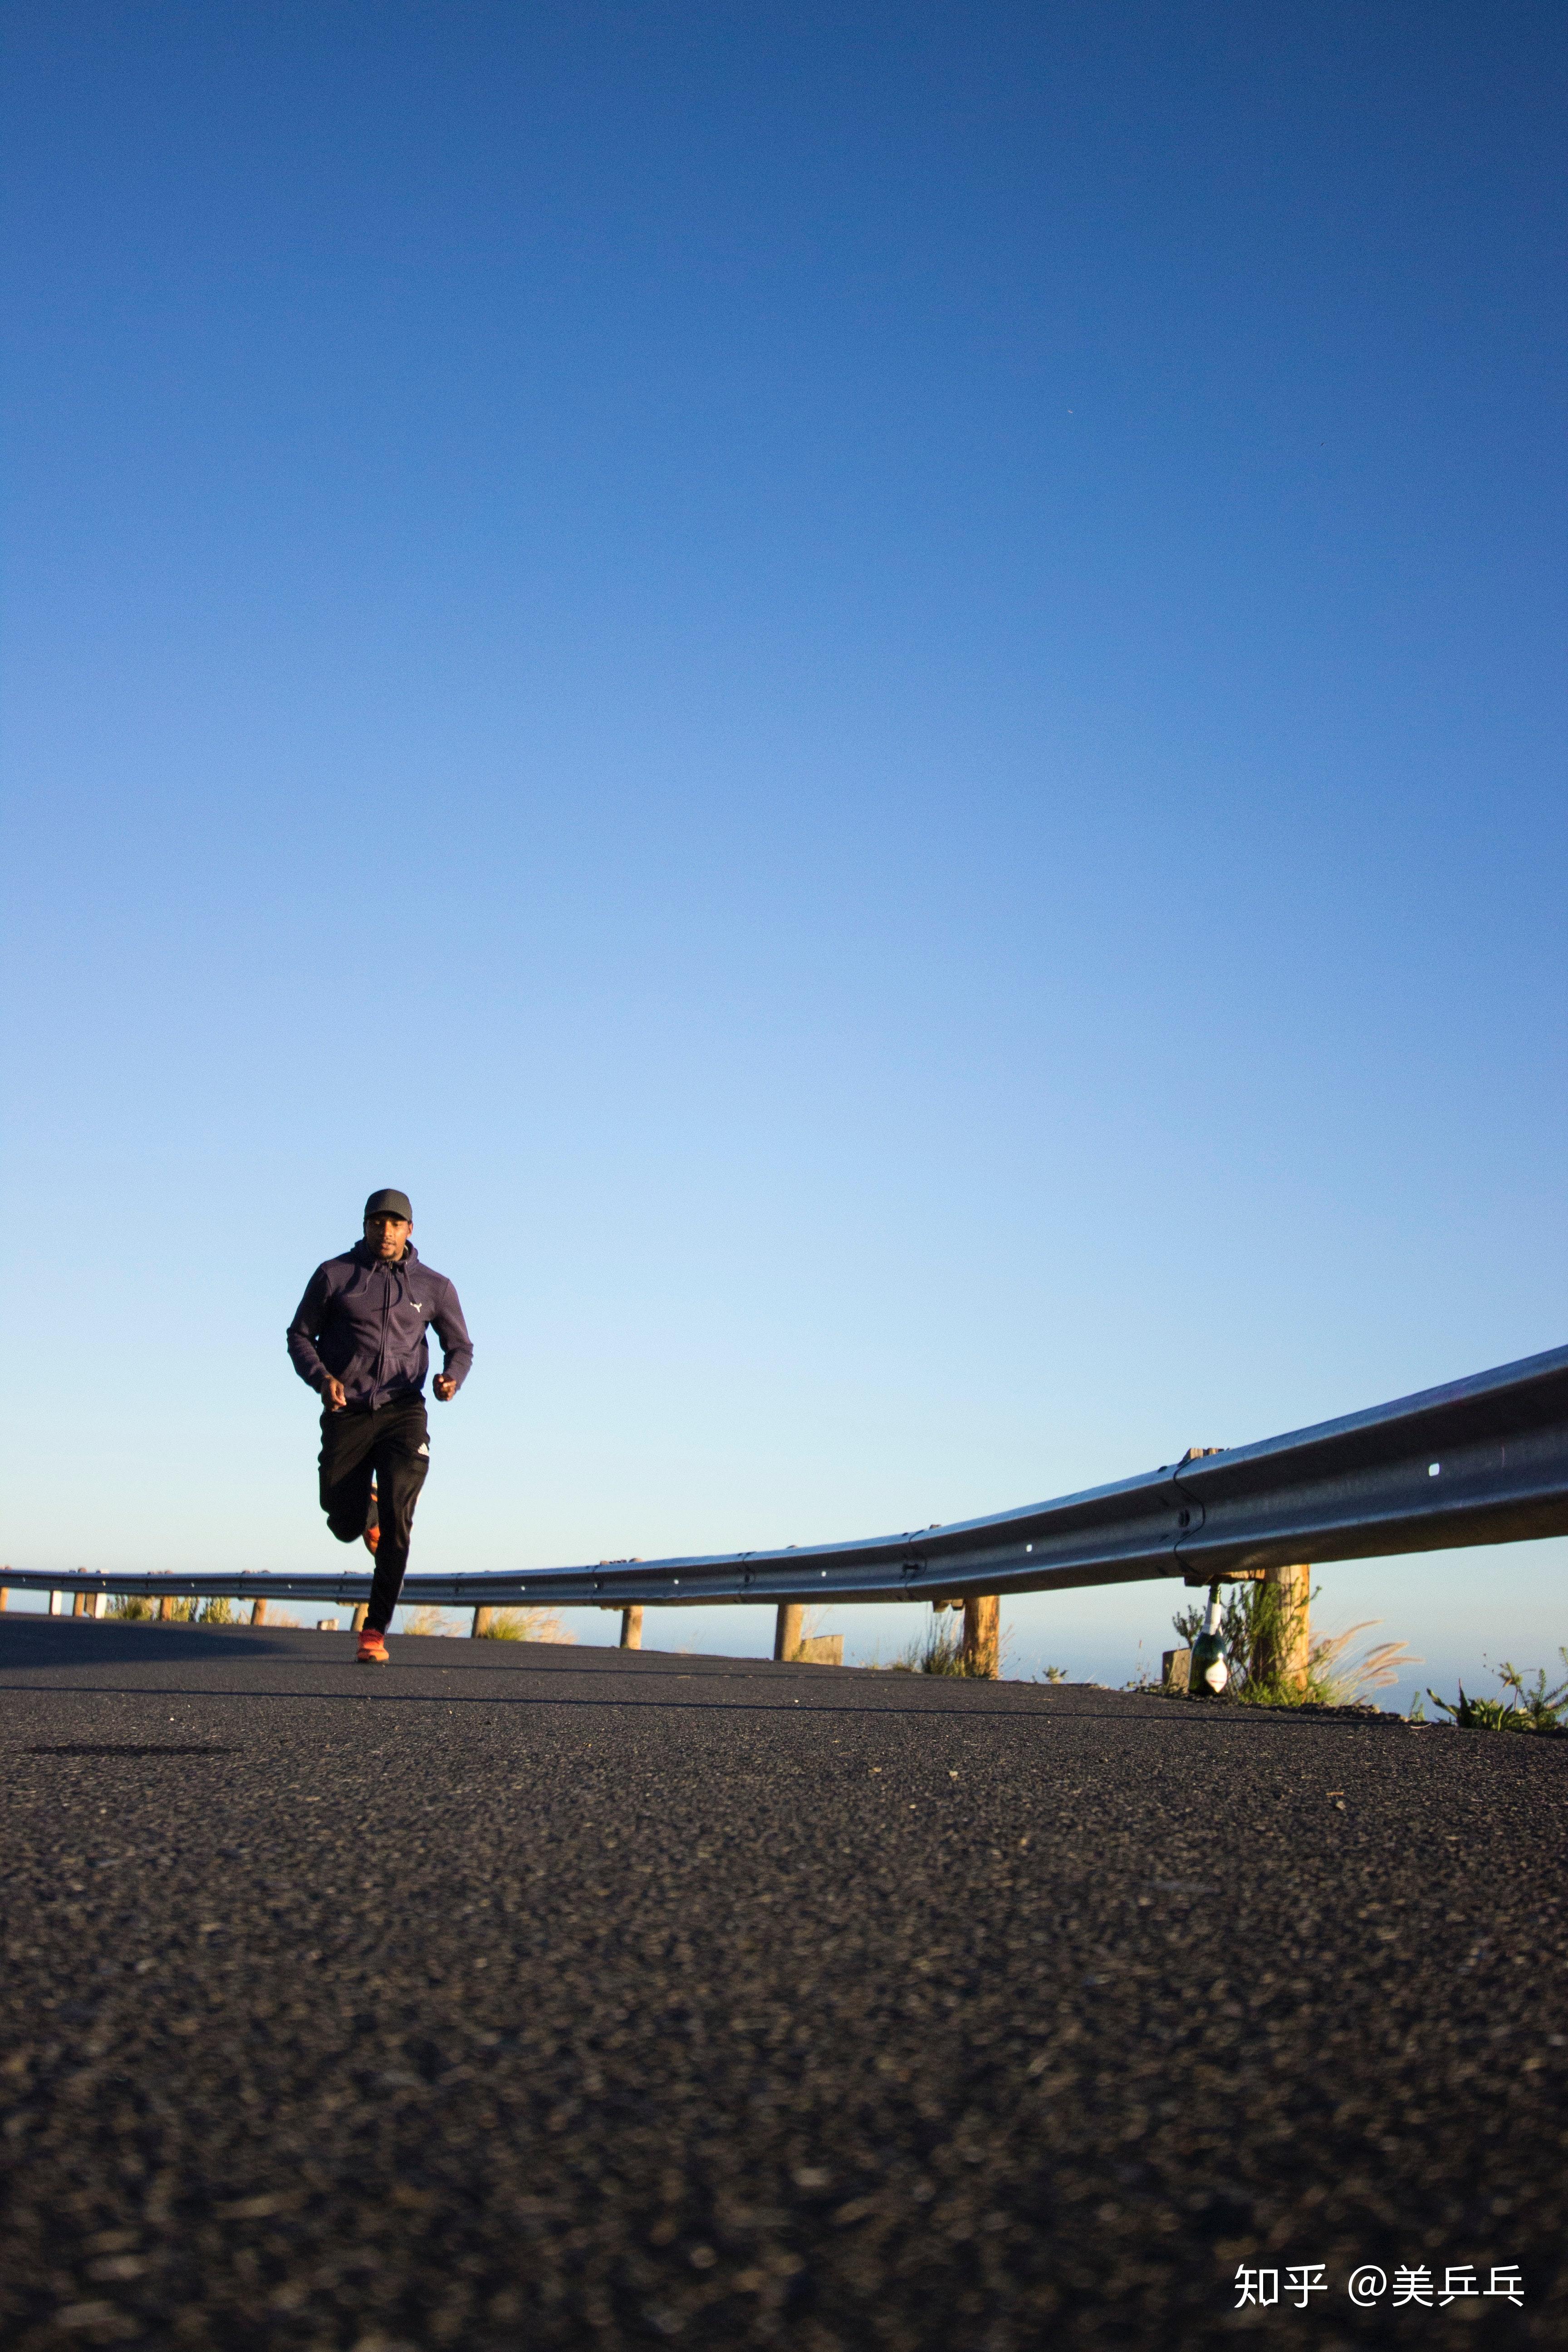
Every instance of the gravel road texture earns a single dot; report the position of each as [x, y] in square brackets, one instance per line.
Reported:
[520, 1995]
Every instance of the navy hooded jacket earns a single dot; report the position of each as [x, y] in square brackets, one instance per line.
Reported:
[362, 1321]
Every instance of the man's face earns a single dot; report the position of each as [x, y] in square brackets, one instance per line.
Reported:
[387, 1236]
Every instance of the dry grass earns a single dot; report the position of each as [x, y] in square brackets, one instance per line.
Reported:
[139, 1608]
[1336, 1679]
[940, 1649]
[526, 1625]
[430, 1621]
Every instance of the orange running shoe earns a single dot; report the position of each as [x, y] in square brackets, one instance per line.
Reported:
[372, 1650]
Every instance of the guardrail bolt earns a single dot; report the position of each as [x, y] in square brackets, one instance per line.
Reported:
[787, 1631]
[631, 1626]
[983, 1636]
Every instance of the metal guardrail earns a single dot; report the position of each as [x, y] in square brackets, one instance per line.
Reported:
[1484, 1460]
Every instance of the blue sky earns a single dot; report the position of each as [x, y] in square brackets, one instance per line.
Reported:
[877, 693]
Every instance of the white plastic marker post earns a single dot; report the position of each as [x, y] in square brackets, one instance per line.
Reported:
[1208, 1674]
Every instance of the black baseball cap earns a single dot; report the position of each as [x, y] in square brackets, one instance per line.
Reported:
[389, 1204]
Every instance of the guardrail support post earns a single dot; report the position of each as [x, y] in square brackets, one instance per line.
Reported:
[78, 1604]
[258, 1612]
[1286, 1648]
[983, 1636]
[481, 1624]
[787, 1631]
[631, 1626]
[357, 1623]
[166, 1608]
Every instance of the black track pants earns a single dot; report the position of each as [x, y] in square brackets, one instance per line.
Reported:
[394, 1443]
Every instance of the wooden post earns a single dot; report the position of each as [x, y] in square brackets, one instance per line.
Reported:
[360, 1614]
[787, 1631]
[631, 1626]
[481, 1624]
[5, 1595]
[1286, 1648]
[166, 1608]
[258, 1612]
[78, 1604]
[983, 1636]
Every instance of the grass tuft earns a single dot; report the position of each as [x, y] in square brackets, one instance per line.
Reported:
[526, 1625]
[1536, 1709]
[427, 1620]
[939, 1651]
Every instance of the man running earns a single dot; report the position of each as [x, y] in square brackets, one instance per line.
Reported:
[358, 1337]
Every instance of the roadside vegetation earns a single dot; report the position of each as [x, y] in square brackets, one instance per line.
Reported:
[1254, 1631]
[1525, 1709]
[525, 1625]
[505, 1625]
[426, 1619]
[938, 1650]
[139, 1609]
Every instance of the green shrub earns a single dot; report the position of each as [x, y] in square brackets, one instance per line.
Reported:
[133, 1607]
[1528, 1710]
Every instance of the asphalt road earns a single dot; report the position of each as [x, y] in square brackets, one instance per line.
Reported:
[544, 1997]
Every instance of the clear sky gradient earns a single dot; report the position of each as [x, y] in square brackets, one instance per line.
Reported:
[875, 691]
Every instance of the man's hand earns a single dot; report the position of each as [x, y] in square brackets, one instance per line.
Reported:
[336, 1395]
[444, 1386]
